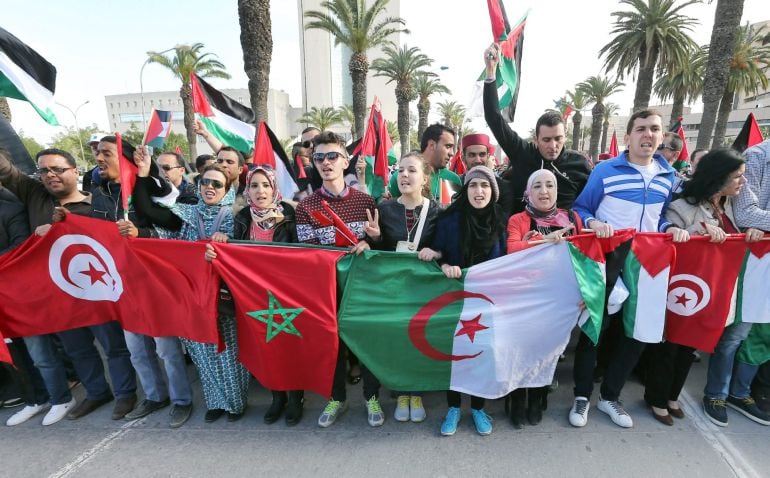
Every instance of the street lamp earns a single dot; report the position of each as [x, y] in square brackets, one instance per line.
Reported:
[141, 73]
[77, 128]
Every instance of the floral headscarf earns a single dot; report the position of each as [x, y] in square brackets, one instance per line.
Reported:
[264, 218]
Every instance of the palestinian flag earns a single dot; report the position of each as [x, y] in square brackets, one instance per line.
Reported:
[755, 350]
[511, 41]
[229, 121]
[614, 145]
[377, 150]
[5, 354]
[27, 76]
[268, 151]
[498, 328]
[646, 273]
[158, 129]
[749, 136]
[128, 171]
[588, 260]
[753, 301]
[683, 161]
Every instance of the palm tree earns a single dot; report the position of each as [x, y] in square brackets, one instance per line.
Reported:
[748, 72]
[597, 89]
[359, 28]
[188, 59]
[401, 66]
[452, 114]
[683, 82]
[257, 46]
[653, 34]
[5, 109]
[578, 101]
[322, 118]
[392, 128]
[347, 116]
[610, 109]
[727, 19]
[426, 85]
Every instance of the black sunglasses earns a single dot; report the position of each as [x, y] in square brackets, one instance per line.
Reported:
[166, 167]
[307, 144]
[214, 183]
[331, 156]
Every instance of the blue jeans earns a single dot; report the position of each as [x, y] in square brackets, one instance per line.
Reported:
[721, 363]
[41, 349]
[79, 346]
[743, 375]
[145, 352]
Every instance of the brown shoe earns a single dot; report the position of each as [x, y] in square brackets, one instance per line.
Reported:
[664, 419]
[676, 412]
[87, 406]
[123, 406]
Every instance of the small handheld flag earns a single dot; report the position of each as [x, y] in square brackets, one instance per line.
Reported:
[158, 129]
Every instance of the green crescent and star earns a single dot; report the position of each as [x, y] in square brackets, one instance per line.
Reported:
[269, 315]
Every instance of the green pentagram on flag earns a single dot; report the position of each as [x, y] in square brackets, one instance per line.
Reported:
[274, 308]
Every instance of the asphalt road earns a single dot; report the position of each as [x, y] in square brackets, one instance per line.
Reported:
[96, 446]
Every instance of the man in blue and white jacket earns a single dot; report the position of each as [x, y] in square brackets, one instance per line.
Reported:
[632, 190]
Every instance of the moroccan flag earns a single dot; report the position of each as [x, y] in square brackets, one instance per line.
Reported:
[287, 335]
[753, 301]
[84, 273]
[749, 135]
[268, 151]
[377, 150]
[158, 128]
[498, 328]
[614, 145]
[701, 291]
[646, 276]
[128, 171]
[684, 156]
[456, 165]
[229, 121]
[27, 76]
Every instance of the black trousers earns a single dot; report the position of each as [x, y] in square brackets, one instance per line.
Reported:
[761, 383]
[339, 391]
[25, 380]
[669, 366]
[454, 399]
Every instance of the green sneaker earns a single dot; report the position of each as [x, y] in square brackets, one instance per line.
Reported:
[333, 410]
[374, 412]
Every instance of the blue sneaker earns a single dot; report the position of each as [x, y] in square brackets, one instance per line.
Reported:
[449, 427]
[482, 421]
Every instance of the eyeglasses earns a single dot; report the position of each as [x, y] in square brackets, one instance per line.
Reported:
[332, 156]
[664, 146]
[166, 167]
[54, 169]
[214, 183]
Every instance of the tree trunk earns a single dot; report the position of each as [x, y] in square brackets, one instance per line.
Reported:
[257, 46]
[605, 129]
[727, 19]
[359, 66]
[189, 120]
[645, 79]
[677, 109]
[423, 108]
[403, 125]
[5, 109]
[725, 107]
[596, 130]
[577, 118]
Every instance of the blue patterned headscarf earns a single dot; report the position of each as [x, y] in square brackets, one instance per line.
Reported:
[189, 213]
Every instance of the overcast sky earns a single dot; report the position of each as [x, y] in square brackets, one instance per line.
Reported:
[98, 47]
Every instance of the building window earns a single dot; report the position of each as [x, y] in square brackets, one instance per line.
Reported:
[126, 104]
[110, 104]
[136, 103]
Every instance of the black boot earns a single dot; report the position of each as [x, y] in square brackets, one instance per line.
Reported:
[535, 405]
[276, 408]
[295, 407]
[515, 407]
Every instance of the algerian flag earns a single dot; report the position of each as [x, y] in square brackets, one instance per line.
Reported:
[646, 275]
[229, 121]
[753, 300]
[755, 350]
[27, 76]
[502, 326]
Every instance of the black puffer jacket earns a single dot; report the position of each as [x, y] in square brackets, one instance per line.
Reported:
[14, 227]
[285, 231]
[571, 168]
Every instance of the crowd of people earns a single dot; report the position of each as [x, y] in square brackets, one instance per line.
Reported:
[547, 193]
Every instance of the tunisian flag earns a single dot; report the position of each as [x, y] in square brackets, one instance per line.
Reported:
[82, 272]
[287, 335]
[701, 291]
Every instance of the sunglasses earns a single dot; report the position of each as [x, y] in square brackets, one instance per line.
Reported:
[332, 156]
[307, 144]
[166, 167]
[214, 183]
[54, 169]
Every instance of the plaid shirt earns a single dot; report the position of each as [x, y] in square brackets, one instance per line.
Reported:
[752, 209]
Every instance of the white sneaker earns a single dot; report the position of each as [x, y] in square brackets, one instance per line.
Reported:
[616, 412]
[578, 414]
[416, 410]
[57, 412]
[402, 409]
[25, 414]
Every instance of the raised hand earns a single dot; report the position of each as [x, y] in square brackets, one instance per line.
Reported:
[142, 160]
[492, 59]
[372, 226]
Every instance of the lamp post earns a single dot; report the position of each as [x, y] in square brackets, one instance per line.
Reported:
[77, 128]
[141, 73]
